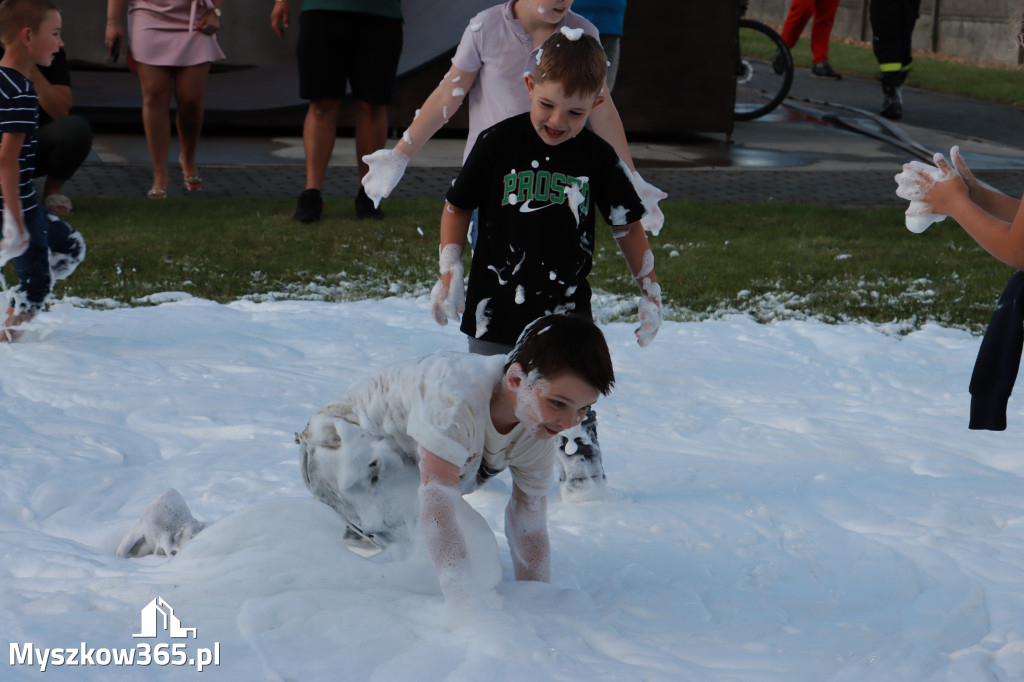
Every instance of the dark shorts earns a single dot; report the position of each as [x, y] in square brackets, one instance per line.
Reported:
[338, 48]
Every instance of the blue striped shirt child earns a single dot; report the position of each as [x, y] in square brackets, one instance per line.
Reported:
[19, 113]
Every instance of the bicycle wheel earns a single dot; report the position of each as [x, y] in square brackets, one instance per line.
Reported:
[764, 71]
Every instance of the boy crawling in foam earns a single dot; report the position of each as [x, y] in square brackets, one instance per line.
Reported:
[394, 454]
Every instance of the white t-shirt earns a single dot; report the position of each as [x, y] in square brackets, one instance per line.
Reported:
[496, 45]
[442, 402]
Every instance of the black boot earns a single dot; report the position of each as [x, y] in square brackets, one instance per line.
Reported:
[892, 91]
[580, 470]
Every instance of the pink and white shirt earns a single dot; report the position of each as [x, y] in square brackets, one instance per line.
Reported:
[497, 47]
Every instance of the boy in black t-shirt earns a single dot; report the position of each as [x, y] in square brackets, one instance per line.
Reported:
[536, 179]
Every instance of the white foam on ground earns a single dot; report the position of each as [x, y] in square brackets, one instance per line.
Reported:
[791, 501]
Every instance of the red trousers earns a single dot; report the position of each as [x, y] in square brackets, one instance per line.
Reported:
[800, 12]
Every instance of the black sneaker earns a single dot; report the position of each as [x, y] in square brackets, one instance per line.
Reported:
[309, 207]
[824, 70]
[779, 63]
[365, 208]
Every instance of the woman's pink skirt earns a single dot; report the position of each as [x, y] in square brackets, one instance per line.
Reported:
[162, 34]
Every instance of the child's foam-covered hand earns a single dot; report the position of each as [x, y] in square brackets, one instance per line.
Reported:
[448, 297]
[915, 183]
[650, 195]
[649, 312]
[15, 241]
[960, 166]
[387, 166]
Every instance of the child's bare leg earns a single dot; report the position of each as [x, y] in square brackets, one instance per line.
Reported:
[9, 332]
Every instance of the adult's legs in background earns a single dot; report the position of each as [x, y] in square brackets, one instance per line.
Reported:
[318, 134]
[821, 29]
[190, 97]
[800, 12]
[156, 82]
[371, 131]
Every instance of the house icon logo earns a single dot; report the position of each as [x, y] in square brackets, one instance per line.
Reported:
[159, 615]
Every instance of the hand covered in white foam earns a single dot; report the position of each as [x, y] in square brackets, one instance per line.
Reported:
[960, 166]
[650, 195]
[650, 313]
[448, 297]
[914, 184]
[387, 166]
[918, 216]
[15, 241]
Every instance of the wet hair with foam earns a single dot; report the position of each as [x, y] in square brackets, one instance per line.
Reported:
[554, 344]
[577, 65]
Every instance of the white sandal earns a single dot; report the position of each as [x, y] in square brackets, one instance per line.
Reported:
[58, 203]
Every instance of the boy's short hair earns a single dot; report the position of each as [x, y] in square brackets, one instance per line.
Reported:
[578, 65]
[18, 14]
[555, 344]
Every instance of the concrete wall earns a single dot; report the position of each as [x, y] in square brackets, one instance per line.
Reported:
[677, 72]
[973, 29]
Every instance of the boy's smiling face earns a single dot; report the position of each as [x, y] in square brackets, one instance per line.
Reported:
[555, 117]
[46, 42]
[548, 406]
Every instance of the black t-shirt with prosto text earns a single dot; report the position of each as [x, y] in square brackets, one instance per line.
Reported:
[535, 242]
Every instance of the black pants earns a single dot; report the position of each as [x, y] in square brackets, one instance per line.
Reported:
[63, 145]
[892, 26]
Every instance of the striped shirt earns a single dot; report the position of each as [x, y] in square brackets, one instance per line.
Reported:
[19, 113]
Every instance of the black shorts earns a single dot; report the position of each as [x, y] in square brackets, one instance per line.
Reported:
[337, 48]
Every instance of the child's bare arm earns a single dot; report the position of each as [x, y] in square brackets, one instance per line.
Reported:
[997, 225]
[10, 175]
[388, 165]
[448, 297]
[992, 201]
[636, 250]
[15, 237]
[526, 527]
[438, 108]
[439, 493]
[606, 122]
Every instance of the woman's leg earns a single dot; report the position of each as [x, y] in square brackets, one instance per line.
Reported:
[190, 95]
[156, 118]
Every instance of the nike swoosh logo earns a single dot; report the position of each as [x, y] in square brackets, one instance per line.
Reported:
[526, 208]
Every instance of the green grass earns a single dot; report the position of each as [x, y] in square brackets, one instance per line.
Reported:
[936, 73]
[769, 260]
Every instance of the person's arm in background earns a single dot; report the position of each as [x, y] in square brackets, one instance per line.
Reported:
[114, 31]
[209, 22]
[55, 100]
[604, 118]
[279, 17]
